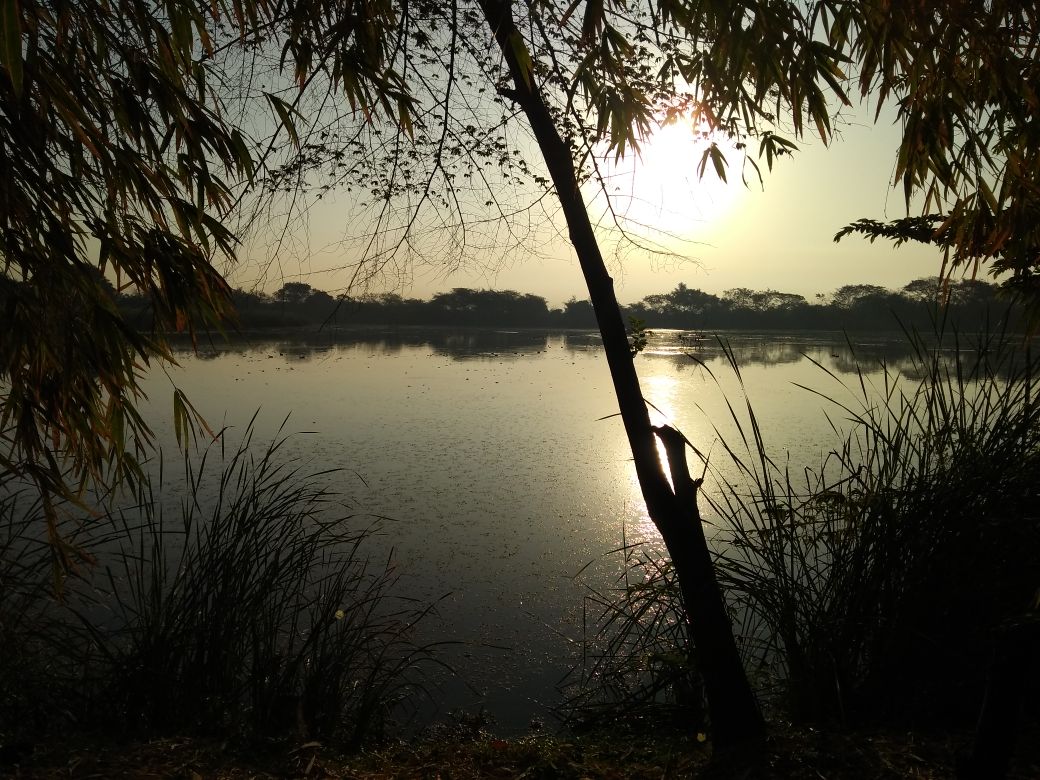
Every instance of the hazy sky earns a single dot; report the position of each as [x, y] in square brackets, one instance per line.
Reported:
[777, 238]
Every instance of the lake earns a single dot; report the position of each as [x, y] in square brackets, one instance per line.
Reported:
[500, 465]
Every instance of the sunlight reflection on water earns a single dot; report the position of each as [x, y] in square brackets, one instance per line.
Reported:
[500, 462]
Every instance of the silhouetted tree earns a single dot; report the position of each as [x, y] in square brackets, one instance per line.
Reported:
[850, 296]
[682, 307]
[578, 314]
[928, 290]
[740, 298]
[293, 293]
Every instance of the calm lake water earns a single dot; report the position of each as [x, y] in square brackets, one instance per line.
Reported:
[498, 462]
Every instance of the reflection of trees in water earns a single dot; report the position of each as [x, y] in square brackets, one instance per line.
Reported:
[754, 352]
[867, 354]
[383, 346]
[963, 356]
[834, 351]
[306, 344]
[454, 343]
[863, 353]
[581, 341]
[489, 343]
[830, 350]
[300, 351]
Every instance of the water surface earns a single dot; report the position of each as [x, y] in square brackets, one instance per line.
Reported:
[500, 464]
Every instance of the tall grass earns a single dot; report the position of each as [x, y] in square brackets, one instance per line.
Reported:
[875, 583]
[866, 589]
[637, 660]
[252, 609]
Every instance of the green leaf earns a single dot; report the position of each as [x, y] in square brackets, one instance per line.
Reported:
[181, 425]
[11, 42]
[594, 20]
[285, 112]
[523, 58]
[718, 162]
[404, 118]
[187, 420]
[638, 335]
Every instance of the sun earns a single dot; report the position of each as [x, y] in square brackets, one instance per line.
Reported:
[665, 191]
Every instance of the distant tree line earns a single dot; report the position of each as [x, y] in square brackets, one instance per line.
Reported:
[851, 307]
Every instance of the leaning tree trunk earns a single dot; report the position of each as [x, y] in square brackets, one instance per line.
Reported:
[735, 715]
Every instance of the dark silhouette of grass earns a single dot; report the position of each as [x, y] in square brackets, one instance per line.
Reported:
[871, 591]
[873, 586]
[251, 610]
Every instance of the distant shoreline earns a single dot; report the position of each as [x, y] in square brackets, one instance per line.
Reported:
[855, 308]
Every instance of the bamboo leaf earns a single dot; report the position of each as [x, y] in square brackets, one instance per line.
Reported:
[523, 58]
[718, 160]
[285, 112]
[181, 30]
[180, 419]
[703, 164]
[404, 118]
[594, 19]
[11, 42]
[569, 12]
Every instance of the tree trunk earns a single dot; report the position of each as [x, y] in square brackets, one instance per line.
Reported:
[735, 715]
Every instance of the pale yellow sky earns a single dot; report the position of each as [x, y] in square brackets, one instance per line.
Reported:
[777, 238]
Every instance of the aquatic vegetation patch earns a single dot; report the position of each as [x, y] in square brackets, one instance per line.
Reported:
[243, 602]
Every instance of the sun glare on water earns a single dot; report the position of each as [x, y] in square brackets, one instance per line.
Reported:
[661, 190]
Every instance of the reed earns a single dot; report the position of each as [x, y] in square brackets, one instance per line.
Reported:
[637, 661]
[241, 603]
[868, 589]
[872, 585]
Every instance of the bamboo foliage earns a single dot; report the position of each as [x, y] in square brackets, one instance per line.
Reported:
[964, 83]
[120, 162]
[132, 132]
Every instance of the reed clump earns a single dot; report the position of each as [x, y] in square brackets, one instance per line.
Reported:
[873, 587]
[870, 590]
[243, 604]
[637, 659]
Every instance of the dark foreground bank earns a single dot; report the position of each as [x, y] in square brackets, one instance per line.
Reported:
[464, 751]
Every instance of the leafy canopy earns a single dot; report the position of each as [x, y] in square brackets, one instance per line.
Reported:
[121, 159]
[133, 132]
[964, 79]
